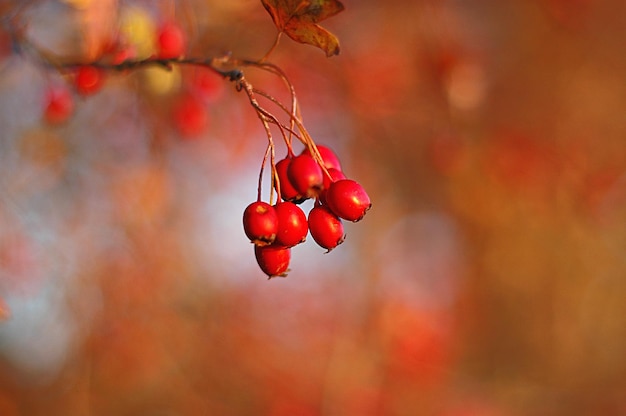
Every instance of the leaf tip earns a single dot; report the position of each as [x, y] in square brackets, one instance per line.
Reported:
[333, 51]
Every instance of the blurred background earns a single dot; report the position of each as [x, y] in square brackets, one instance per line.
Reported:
[489, 278]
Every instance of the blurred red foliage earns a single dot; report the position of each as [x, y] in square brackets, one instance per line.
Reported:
[127, 285]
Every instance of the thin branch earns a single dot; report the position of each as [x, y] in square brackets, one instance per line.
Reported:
[272, 48]
[260, 185]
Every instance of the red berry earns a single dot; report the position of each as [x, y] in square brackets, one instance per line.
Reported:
[88, 79]
[306, 175]
[348, 199]
[326, 228]
[123, 54]
[260, 223]
[190, 116]
[287, 191]
[171, 41]
[335, 175]
[273, 259]
[59, 105]
[329, 157]
[207, 84]
[292, 224]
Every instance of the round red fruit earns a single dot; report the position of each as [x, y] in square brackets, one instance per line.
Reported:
[306, 175]
[207, 84]
[59, 105]
[190, 116]
[348, 200]
[171, 41]
[335, 175]
[88, 79]
[260, 223]
[287, 191]
[329, 157]
[325, 227]
[292, 224]
[123, 54]
[273, 260]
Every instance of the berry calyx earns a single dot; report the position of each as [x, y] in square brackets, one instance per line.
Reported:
[306, 175]
[88, 79]
[330, 159]
[287, 191]
[59, 105]
[273, 259]
[171, 41]
[260, 223]
[325, 227]
[292, 224]
[348, 200]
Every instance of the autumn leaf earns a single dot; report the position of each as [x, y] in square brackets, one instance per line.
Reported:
[299, 20]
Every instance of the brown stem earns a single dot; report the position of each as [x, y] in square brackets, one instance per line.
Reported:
[272, 48]
[260, 185]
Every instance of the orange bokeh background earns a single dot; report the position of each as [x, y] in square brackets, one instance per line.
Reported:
[488, 279]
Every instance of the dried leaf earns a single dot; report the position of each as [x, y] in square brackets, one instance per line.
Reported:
[298, 19]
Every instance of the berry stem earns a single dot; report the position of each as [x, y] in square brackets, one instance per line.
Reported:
[295, 109]
[264, 115]
[290, 129]
[272, 48]
[217, 64]
[260, 185]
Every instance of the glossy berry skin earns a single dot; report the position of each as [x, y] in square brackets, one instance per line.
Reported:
[335, 175]
[325, 227]
[59, 105]
[292, 224]
[273, 259]
[287, 191]
[88, 80]
[330, 159]
[306, 175]
[171, 41]
[348, 200]
[260, 223]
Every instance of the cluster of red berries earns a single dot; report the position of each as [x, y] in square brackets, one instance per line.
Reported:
[315, 173]
[275, 229]
[87, 80]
